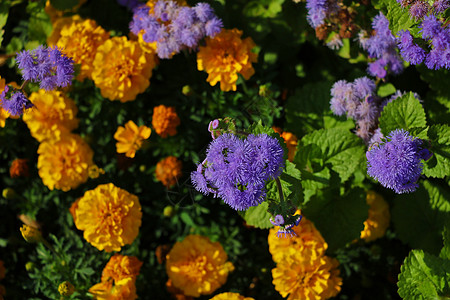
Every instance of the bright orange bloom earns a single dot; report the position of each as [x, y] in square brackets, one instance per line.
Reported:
[58, 24]
[80, 40]
[307, 241]
[168, 171]
[175, 292]
[306, 277]
[109, 216]
[121, 69]
[130, 138]
[53, 115]
[118, 279]
[197, 266]
[379, 217]
[165, 120]
[225, 56]
[64, 164]
[19, 168]
[230, 296]
[290, 140]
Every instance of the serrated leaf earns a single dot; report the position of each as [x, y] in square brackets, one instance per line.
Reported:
[290, 183]
[419, 217]
[340, 148]
[423, 276]
[258, 216]
[399, 18]
[386, 89]
[437, 79]
[340, 219]
[405, 112]
[439, 164]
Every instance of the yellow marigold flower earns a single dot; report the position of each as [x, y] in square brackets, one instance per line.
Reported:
[19, 168]
[2, 269]
[197, 266]
[290, 140]
[230, 296]
[95, 171]
[58, 24]
[80, 40]
[306, 277]
[226, 55]
[54, 115]
[118, 278]
[64, 164]
[175, 292]
[66, 288]
[122, 69]
[378, 221]
[3, 113]
[109, 216]
[308, 241]
[31, 234]
[165, 120]
[130, 138]
[168, 171]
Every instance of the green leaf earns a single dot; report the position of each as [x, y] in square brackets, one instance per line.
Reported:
[258, 216]
[4, 10]
[399, 18]
[439, 164]
[340, 148]
[419, 217]
[405, 112]
[63, 4]
[340, 219]
[290, 184]
[423, 276]
[445, 251]
[15, 45]
[39, 27]
[386, 89]
[263, 8]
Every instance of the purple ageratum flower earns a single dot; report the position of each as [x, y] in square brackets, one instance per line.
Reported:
[439, 6]
[340, 92]
[396, 163]
[48, 66]
[14, 102]
[268, 155]
[410, 51]
[277, 221]
[419, 9]
[175, 27]
[430, 27]
[363, 87]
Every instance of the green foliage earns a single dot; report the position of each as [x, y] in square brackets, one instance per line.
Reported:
[338, 218]
[419, 217]
[424, 276]
[405, 112]
[399, 18]
[439, 165]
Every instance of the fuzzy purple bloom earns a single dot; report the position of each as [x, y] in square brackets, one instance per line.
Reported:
[410, 51]
[396, 163]
[440, 6]
[14, 102]
[317, 12]
[419, 9]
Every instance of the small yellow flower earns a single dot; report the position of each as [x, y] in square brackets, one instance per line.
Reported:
[66, 288]
[118, 279]
[53, 115]
[165, 120]
[379, 217]
[121, 69]
[306, 277]
[230, 296]
[168, 171]
[109, 216]
[130, 138]
[31, 234]
[95, 171]
[225, 56]
[64, 164]
[80, 40]
[197, 266]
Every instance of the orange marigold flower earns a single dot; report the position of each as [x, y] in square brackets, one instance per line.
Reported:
[80, 40]
[58, 24]
[175, 292]
[230, 296]
[118, 279]
[379, 217]
[64, 164]
[307, 277]
[54, 115]
[290, 140]
[130, 138]
[198, 266]
[165, 120]
[2, 269]
[122, 69]
[109, 216]
[307, 241]
[19, 168]
[168, 171]
[226, 55]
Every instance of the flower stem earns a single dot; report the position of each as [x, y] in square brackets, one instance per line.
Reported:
[280, 189]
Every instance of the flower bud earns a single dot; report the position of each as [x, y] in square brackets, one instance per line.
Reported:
[9, 194]
[66, 288]
[29, 266]
[169, 211]
[31, 234]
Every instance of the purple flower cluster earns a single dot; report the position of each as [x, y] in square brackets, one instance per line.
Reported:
[175, 27]
[358, 101]
[319, 10]
[383, 47]
[396, 162]
[48, 66]
[237, 169]
[285, 230]
[419, 8]
[14, 102]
